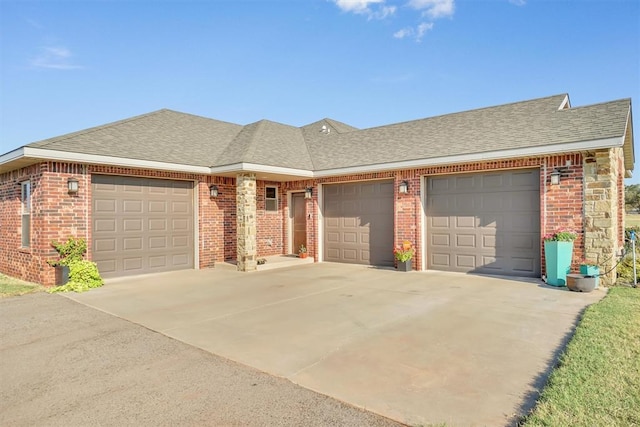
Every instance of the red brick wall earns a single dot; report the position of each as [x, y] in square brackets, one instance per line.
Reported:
[270, 238]
[562, 206]
[57, 215]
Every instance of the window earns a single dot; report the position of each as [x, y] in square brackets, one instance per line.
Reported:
[271, 199]
[25, 201]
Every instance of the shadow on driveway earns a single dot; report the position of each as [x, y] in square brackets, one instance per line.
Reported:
[64, 364]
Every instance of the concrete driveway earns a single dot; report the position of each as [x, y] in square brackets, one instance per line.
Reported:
[419, 348]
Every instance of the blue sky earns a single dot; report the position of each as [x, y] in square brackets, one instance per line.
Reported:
[67, 66]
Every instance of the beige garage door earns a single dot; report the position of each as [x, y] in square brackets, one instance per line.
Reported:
[141, 225]
[358, 223]
[484, 223]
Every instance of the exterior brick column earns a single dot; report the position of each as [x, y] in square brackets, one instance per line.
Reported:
[601, 205]
[246, 222]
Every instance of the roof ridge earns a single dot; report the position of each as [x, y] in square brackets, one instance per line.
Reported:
[528, 101]
[627, 100]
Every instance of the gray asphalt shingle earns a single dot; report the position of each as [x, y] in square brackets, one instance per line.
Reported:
[169, 136]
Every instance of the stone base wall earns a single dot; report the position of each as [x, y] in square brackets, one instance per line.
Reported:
[604, 210]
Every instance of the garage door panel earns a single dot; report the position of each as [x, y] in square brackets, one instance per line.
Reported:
[132, 264]
[132, 244]
[464, 183]
[105, 205]
[182, 224]
[466, 261]
[465, 221]
[157, 261]
[492, 220]
[132, 206]
[359, 222]
[158, 206]
[440, 260]
[104, 225]
[132, 225]
[157, 242]
[157, 224]
[440, 240]
[466, 240]
[149, 230]
[439, 222]
[492, 181]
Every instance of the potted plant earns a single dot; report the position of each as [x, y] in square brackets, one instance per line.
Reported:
[302, 251]
[403, 254]
[590, 269]
[68, 252]
[558, 252]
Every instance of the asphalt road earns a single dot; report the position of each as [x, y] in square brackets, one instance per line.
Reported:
[65, 364]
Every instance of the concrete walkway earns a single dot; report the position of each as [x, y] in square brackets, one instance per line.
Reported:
[415, 347]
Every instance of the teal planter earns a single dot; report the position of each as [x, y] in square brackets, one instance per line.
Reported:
[558, 261]
[592, 271]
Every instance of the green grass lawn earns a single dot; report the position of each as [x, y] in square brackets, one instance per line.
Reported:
[10, 286]
[632, 220]
[597, 382]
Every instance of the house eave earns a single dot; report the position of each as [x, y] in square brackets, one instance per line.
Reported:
[546, 150]
[263, 172]
[25, 156]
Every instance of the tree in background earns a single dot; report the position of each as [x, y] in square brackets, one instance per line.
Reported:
[632, 197]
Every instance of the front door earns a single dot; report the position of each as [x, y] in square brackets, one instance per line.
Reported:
[299, 214]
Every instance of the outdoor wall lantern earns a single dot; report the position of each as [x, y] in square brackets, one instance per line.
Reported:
[308, 193]
[403, 187]
[554, 177]
[72, 185]
[213, 191]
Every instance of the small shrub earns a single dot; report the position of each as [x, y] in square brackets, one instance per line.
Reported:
[83, 275]
[69, 252]
[625, 268]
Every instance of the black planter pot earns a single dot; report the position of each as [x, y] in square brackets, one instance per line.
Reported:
[62, 274]
[404, 265]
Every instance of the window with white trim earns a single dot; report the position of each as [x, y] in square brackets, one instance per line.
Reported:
[271, 199]
[25, 202]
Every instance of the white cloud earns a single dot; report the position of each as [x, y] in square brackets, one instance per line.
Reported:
[416, 33]
[363, 7]
[55, 57]
[422, 29]
[405, 32]
[434, 8]
[518, 2]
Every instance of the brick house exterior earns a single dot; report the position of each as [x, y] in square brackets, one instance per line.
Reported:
[241, 224]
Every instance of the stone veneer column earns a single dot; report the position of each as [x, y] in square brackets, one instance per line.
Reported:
[601, 211]
[246, 222]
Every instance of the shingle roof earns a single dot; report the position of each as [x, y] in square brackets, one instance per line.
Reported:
[163, 136]
[520, 125]
[267, 143]
[169, 136]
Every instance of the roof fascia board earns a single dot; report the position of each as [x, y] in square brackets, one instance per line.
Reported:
[629, 162]
[12, 155]
[254, 167]
[67, 156]
[476, 157]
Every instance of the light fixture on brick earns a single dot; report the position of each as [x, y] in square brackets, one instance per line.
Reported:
[308, 193]
[554, 177]
[72, 186]
[403, 187]
[213, 191]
